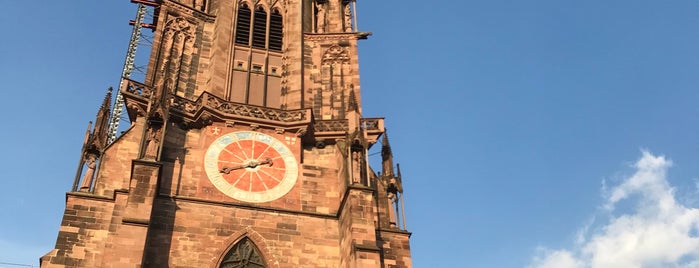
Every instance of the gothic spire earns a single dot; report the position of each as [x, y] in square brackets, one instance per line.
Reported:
[102, 121]
[399, 180]
[352, 105]
[385, 146]
[386, 156]
[87, 134]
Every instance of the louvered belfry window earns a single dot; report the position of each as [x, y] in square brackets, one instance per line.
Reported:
[256, 55]
[259, 28]
[242, 29]
[264, 36]
[275, 31]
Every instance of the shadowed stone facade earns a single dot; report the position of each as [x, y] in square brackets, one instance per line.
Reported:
[247, 148]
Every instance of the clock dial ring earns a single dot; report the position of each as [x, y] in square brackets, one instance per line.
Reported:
[251, 166]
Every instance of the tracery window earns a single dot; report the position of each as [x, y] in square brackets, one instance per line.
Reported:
[243, 255]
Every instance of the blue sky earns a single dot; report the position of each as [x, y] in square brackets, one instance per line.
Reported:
[530, 133]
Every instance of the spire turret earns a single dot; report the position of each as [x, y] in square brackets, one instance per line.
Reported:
[102, 122]
[399, 180]
[88, 132]
[94, 144]
[386, 157]
[393, 180]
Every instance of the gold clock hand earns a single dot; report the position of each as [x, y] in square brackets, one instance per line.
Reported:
[267, 161]
[227, 170]
[252, 164]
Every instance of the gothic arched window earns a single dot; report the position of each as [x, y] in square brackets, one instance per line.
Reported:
[264, 36]
[242, 29]
[259, 28]
[275, 30]
[244, 254]
[256, 56]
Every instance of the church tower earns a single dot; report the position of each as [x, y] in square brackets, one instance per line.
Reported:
[247, 147]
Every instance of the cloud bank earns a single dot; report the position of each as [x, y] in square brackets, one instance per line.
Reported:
[657, 231]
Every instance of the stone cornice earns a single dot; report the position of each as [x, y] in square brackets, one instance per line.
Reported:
[336, 36]
[395, 231]
[88, 196]
[371, 248]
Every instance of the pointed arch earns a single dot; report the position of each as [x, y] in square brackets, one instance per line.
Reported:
[174, 57]
[242, 29]
[245, 241]
[259, 28]
[243, 254]
[335, 86]
[276, 30]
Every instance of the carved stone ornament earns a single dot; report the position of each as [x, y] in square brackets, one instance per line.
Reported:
[371, 123]
[339, 125]
[179, 24]
[137, 88]
[254, 111]
[133, 107]
[206, 109]
[176, 49]
[91, 164]
[336, 54]
[152, 142]
[337, 37]
[301, 132]
[185, 105]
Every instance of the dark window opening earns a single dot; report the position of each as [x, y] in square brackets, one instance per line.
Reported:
[242, 29]
[275, 31]
[259, 28]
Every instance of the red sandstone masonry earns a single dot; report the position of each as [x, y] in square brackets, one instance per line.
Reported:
[167, 213]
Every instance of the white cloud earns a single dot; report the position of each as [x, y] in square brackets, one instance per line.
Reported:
[556, 259]
[658, 231]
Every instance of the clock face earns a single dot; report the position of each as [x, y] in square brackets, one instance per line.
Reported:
[251, 166]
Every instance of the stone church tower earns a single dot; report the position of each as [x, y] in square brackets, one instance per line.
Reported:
[247, 148]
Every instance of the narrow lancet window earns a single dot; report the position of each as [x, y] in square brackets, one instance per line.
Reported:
[242, 28]
[275, 31]
[259, 29]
